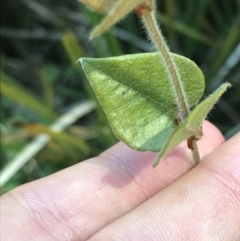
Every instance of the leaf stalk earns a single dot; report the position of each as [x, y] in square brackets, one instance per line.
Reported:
[158, 40]
[155, 35]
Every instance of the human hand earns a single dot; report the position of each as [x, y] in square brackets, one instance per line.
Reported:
[119, 196]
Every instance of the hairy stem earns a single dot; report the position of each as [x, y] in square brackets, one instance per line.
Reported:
[195, 152]
[158, 40]
[156, 37]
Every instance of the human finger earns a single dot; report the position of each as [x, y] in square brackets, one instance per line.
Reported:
[204, 204]
[77, 202]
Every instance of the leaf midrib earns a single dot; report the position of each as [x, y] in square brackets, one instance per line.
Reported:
[167, 108]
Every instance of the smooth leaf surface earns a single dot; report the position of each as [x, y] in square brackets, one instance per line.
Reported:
[137, 96]
[193, 122]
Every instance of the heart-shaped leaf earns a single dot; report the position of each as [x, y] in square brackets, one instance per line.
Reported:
[137, 97]
[193, 122]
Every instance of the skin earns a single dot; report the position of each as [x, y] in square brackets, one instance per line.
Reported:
[119, 196]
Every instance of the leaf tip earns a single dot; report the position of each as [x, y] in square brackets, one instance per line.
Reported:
[156, 161]
[223, 88]
[81, 61]
[91, 36]
[228, 85]
[95, 33]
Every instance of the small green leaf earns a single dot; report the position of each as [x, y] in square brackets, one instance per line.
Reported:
[193, 121]
[137, 97]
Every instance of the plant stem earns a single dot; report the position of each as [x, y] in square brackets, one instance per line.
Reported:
[155, 35]
[157, 38]
[195, 153]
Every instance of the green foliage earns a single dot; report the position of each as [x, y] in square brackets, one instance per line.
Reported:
[193, 122]
[33, 56]
[72, 47]
[66, 139]
[139, 102]
[12, 90]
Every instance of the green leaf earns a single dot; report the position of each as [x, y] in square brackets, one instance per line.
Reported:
[137, 96]
[193, 122]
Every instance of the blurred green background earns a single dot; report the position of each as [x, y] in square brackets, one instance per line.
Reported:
[41, 42]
